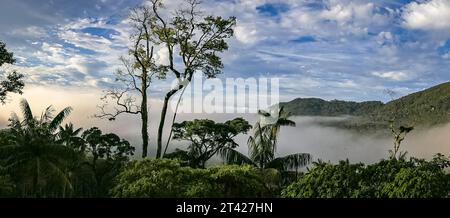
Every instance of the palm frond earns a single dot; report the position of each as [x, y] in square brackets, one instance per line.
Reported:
[27, 113]
[285, 122]
[59, 118]
[47, 114]
[77, 131]
[14, 122]
[281, 111]
[263, 113]
[289, 162]
[231, 156]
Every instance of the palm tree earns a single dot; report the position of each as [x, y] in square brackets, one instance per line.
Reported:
[263, 144]
[33, 153]
[69, 136]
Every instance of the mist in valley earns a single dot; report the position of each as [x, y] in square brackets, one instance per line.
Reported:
[329, 143]
[325, 143]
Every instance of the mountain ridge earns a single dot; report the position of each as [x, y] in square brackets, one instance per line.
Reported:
[424, 108]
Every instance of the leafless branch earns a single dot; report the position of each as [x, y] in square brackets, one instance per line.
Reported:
[124, 104]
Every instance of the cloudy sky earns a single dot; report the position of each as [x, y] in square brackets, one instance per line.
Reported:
[333, 49]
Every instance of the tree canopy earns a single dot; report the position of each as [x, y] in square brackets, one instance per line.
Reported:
[145, 179]
[13, 82]
[208, 138]
[386, 179]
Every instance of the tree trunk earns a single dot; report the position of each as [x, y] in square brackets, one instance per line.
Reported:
[162, 120]
[94, 170]
[144, 119]
[37, 190]
[164, 111]
[173, 121]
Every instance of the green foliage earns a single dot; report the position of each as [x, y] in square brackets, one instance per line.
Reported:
[327, 181]
[41, 158]
[199, 39]
[320, 107]
[106, 154]
[386, 179]
[107, 146]
[167, 178]
[207, 137]
[263, 143]
[378, 175]
[32, 154]
[233, 180]
[417, 183]
[68, 136]
[13, 82]
[399, 135]
[190, 36]
[5, 56]
[154, 178]
[428, 107]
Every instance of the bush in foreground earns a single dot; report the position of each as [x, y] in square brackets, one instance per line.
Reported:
[385, 179]
[167, 178]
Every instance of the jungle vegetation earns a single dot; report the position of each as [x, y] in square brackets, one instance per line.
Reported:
[42, 155]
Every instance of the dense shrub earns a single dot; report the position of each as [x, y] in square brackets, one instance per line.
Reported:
[379, 175]
[236, 181]
[155, 178]
[167, 178]
[385, 179]
[417, 183]
[327, 181]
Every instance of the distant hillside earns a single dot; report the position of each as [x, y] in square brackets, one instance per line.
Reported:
[320, 107]
[421, 109]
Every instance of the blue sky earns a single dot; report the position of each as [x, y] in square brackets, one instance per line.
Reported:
[333, 49]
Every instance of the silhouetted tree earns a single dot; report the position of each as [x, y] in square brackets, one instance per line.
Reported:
[106, 153]
[13, 82]
[263, 143]
[208, 138]
[192, 38]
[32, 153]
[136, 76]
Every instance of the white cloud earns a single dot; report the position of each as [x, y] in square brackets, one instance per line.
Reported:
[352, 18]
[338, 19]
[162, 56]
[385, 37]
[430, 15]
[85, 40]
[247, 34]
[446, 56]
[55, 64]
[348, 84]
[338, 13]
[264, 44]
[392, 75]
[30, 32]
[51, 53]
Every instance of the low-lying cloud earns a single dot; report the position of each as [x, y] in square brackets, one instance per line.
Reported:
[333, 144]
[325, 143]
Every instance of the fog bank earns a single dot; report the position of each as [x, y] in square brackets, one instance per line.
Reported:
[326, 143]
[329, 143]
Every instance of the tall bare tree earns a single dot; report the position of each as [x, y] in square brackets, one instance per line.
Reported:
[130, 96]
[193, 42]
